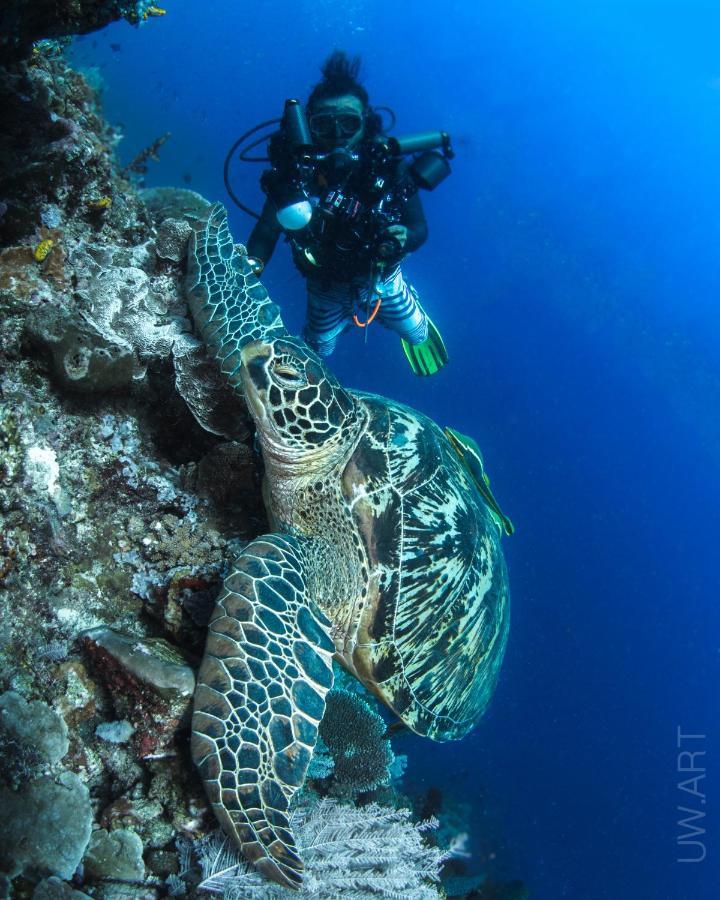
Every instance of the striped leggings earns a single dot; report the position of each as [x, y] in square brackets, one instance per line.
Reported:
[330, 308]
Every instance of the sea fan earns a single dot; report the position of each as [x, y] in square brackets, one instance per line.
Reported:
[349, 852]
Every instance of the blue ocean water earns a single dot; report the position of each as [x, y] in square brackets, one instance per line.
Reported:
[573, 267]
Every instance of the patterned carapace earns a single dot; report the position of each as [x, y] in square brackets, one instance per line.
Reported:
[384, 556]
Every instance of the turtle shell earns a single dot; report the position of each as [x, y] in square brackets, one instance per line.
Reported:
[433, 629]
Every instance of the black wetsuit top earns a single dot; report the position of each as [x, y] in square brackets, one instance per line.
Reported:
[331, 261]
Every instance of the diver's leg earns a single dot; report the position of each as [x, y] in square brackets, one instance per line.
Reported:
[329, 313]
[400, 309]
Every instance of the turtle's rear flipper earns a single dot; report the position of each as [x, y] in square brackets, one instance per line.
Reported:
[428, 357]
[259, 700]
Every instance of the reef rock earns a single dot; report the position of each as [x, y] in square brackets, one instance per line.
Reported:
[150, 683]
[115, 855]
[24, 21]
[46, 826]
[55, 889]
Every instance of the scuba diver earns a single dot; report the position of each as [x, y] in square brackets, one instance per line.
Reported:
[346, 197]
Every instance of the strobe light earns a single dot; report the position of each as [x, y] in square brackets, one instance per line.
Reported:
[295, 212]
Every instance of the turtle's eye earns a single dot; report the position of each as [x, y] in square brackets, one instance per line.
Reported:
[288, 375]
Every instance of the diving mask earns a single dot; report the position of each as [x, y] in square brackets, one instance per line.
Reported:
[326, 125]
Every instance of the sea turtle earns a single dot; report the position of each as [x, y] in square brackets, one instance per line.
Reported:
[383, 555]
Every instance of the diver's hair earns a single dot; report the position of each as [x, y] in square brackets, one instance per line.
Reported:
[340, 75]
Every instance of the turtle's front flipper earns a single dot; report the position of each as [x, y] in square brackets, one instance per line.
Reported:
[229, 305]
[259, 700]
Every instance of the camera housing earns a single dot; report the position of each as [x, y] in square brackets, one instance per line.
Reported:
[363, 191]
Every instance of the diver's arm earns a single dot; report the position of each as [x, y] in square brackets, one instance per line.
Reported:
[265, 234]
[413, 218]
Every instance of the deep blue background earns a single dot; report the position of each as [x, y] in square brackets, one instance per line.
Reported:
[573, 268]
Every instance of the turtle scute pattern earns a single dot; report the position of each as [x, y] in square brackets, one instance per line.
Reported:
[436, 640]
[260, 698]
[229, 305]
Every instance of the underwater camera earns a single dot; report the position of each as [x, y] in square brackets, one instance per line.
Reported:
[360, 187]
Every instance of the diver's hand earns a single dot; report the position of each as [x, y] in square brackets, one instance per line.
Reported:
[256, 265]
[393, 240]
[398, 233]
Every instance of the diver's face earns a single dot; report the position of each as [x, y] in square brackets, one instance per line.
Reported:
[338, 122]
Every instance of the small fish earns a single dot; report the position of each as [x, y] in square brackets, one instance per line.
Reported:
[187, 177]
[470, 456]
[116, 48]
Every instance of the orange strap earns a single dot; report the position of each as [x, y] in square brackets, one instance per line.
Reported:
[371, 317]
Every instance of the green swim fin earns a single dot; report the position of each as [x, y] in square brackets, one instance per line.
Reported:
[430, 356]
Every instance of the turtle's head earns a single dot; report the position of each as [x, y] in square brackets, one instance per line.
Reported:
[298, 406]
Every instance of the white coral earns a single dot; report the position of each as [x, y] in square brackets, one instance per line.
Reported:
[349, 852]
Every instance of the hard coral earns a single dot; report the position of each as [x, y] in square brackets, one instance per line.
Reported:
[353, 733]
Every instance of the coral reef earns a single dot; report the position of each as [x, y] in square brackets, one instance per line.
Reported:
[113, 533]
[23, 22]
[127, 478]
[56, 161]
